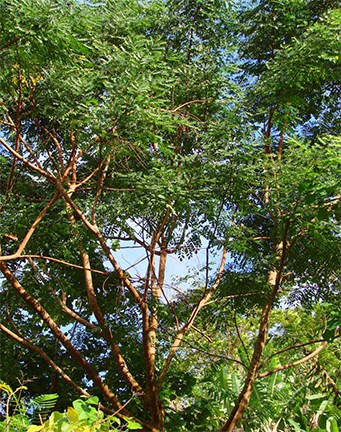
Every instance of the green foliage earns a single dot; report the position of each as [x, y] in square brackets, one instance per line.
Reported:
[84, 415]
[288, 396]
[165, 131]
[12, 408]
[278, 399]
[43, 406]
[291, 51]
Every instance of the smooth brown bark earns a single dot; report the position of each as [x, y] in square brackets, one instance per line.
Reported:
[106, 332]
[85, 259]
[295, 363]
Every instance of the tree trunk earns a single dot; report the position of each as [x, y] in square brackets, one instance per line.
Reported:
[274, 281]
[245, 395]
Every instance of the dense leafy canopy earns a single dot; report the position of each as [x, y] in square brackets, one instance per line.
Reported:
[135, 135]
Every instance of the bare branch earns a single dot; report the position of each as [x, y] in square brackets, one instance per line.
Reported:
[288, 349]
[295, 363]
[239, 336]
[202, 333]
[213, 355]
[28, 148]
[100, 188]
[62, 302]
[48, 258]
[58, 146]
[35, 168]
[107, 334]
[95, 230]
[106, 331]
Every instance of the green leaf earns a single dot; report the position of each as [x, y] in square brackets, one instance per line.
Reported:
[332, 425]
[92, 400]
[133, 425]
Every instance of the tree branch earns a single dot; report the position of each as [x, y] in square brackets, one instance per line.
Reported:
[37, 307]
[296, 363]
[186, 327]
[35, 168]
[62, 302]
[288, 349]
[95, 230]
[274, 280]
[27, 344]
[100, 188]
[48, 258]
[31, 230]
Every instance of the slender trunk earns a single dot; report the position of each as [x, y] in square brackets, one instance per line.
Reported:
[106, 332]
[274, 281]
[245, 395]
[152, 390]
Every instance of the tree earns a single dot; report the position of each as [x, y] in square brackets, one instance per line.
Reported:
[109, 128]
[119, 134]
[286, 229]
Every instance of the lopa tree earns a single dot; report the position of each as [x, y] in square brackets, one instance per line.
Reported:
[105, 121]
[122, 131]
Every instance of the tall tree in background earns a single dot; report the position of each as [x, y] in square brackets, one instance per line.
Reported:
[289, 208]
[127, 127]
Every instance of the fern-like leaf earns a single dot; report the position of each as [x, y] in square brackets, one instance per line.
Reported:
[43, 406]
